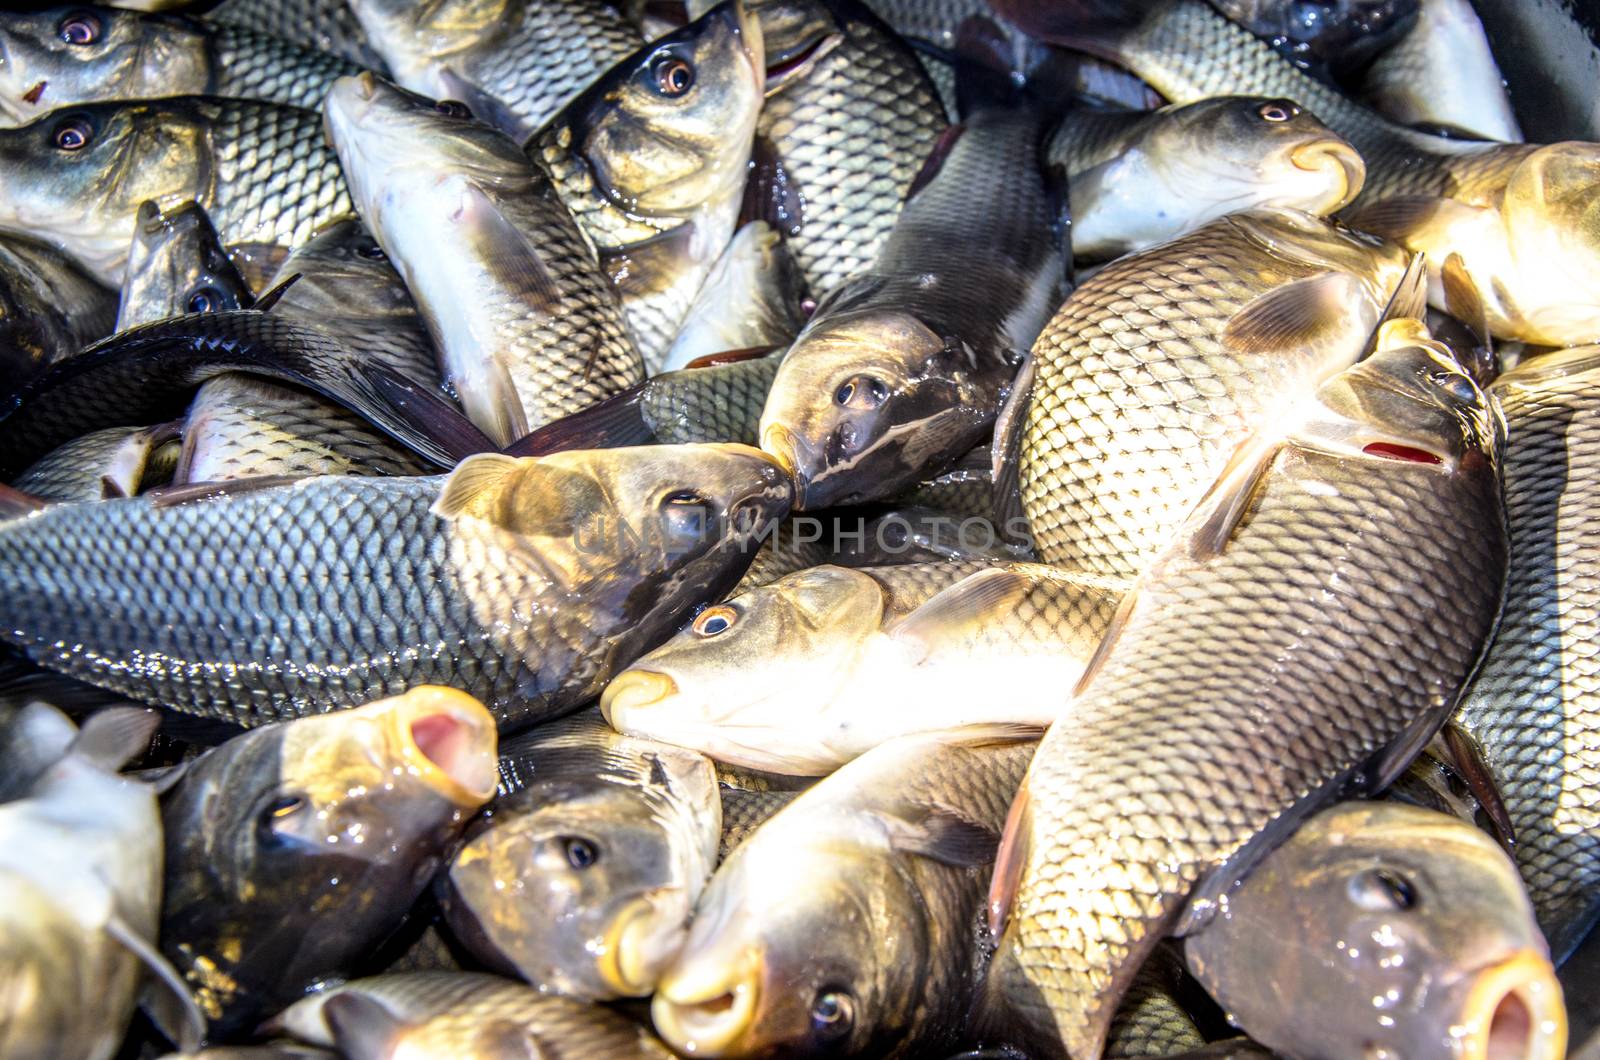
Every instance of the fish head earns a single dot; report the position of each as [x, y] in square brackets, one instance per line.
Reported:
[333, 819]
[1551, 210]
[57, 56]
[343, 269]
[734, 684]
[808, 947]
[1305, 240]
[31, 330]
[1260, 151]
[1410, 401]
[76, 177]
[1405, 932]
[867, 403]
[1315, 34]
[420, 40]
[585, 886]
[177, 263]
[796, 35]
[668, 130]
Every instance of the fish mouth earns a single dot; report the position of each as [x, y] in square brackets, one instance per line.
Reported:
[708, 1015]
[1337, 158]
[782, 449]
[449, 740]
[1514, 1011]
[632, 691]
[748, 28]
[639, 943]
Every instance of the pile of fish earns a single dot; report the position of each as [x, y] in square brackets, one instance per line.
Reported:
[886, 528]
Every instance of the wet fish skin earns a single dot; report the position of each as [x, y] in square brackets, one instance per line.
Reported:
[1442, 73]
[50, 308]
[844, 926]
[1534, 707]
[1144, 383]
[465, 1015]
[1151, 1021]
[527, 327]
[293, 849]
[115, 462]
[850, 125]
[177, 265]
[796, 544]
[326, 25]
[514, 62]
[655, 173]
[1159, 175]
[59, 56]
[640, 535]
[743, 812]
[240, 427]
[582, 877]
[752, 297]
[1446, 937]
[260, 170]
[1324, 38]
[805, 674]
[1252, 675]
[80, 865]
[903, 369]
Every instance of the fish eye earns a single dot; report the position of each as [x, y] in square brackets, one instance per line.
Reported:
[372, 252]
[453, 108]
[80, 27]
[832, 1013]
[276, 813]
[714, 620]
[1278, 111]
[673, 76]
[682, 498]
[1457, 386]
[580, 852]
[72, 134]
[1382, 890]
[861, 392]
[205, 300]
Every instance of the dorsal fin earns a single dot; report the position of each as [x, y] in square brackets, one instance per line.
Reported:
[475, 483]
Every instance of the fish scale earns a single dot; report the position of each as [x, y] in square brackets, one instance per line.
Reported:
[1346, 611]
[327, 25]
[274, 178]
[852, 133]
[1536, 704]
[256, 65]
[1136, 395]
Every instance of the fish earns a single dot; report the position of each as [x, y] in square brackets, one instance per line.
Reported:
[966, 490]
[902, 370]
[808, 673]
[937, 22]
[463, 1015]
[115, 462]
[752, 297]
[743, 812]
[50, 309]
[1442, 74]
[844, 926]
[280, 1050]
[527, 583]
[849, 118]
[527, 327]
[326, 25]
[77, 176]
[1532, 708]
[704, 402]
[798, 543]
[515, 63]
[1154, 371]
[652, 160]
[294, 848]
[1412, 924]
[59, 56]
[149, 374]
[240, 427]
[1139, 179]
[80, 871]
[1249, 677]
[177, 265]
[1152, 1022]
[582, 876]
[1327, 38]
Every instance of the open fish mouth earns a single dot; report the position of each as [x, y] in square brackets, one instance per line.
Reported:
[448, 739]
[1514, 1011]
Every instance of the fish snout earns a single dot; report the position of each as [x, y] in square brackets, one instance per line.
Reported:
[640, 942]
[449, 740]
[1339, 161]
[632, 691]
[708, 1007]
[1514, 1011]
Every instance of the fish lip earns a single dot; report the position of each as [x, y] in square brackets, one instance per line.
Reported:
[448, 739]
[618, 701]
[1315, 156]
[780, 446]
[711, 1020]
[1523, 991]
[751, 42]
[627, 966]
